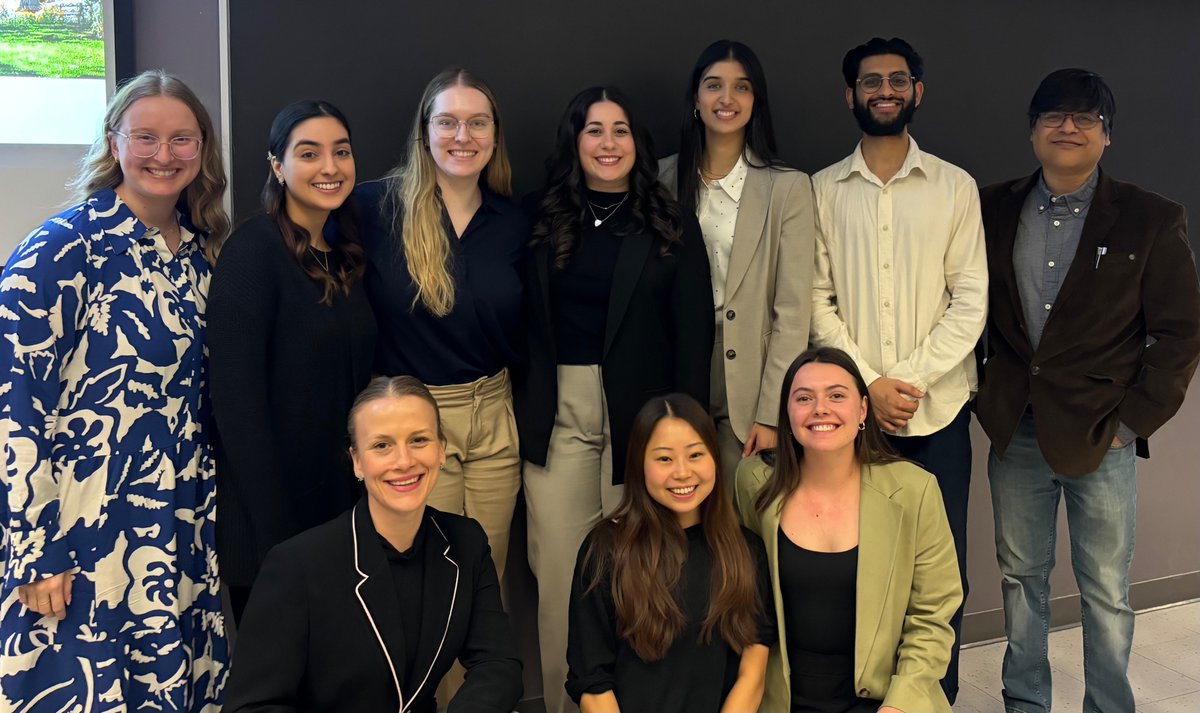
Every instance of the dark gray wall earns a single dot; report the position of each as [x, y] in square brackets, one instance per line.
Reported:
[373, 59]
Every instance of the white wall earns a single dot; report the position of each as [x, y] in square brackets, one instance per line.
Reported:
[32, 180]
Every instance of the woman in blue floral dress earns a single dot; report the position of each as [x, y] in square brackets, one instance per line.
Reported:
[110, 598]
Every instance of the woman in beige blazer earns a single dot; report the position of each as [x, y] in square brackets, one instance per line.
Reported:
[862, 562]
[756, 215]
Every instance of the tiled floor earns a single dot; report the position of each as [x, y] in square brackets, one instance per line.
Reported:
[1164, 668]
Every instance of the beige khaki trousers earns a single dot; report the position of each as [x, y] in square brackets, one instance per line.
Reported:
[731, 447]
[565, 500]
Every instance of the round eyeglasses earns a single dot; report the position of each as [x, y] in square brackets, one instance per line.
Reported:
[446, 126]
[184, 148]
[899, 81]
[1083, 120]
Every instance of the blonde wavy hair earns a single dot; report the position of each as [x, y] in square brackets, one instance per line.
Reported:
[416, 206]
[100, 170]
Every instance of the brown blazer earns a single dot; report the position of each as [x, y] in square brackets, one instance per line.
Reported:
[1093, 368]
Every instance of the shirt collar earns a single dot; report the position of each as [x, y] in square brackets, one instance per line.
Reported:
[124, 229]
[1076, 201]
[733, 182]
[858, 164]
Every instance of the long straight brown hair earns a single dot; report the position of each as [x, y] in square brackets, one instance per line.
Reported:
[644, 549]
[870, 447]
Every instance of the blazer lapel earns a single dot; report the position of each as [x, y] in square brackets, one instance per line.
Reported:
[1102, 214]
[631, 260]
[748, 229]
[438, 598]
[1005, 238]
[376, 594]
[879, 528]
[541, 259]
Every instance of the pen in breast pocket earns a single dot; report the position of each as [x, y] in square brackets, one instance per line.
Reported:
[1100, 252]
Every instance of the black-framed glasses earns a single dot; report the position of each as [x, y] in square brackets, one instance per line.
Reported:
[184, 148]
[1083, 120]
[446, 126]
[872, 83]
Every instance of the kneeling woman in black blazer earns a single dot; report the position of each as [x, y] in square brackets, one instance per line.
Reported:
[368, 612]
[619, 310]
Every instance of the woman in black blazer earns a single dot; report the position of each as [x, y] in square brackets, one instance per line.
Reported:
[289, 327]
[618, 309]
[369, 611]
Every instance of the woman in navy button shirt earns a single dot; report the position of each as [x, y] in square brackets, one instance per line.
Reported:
[443, 243]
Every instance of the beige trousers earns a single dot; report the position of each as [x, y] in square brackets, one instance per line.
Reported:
[565, 499]
[731, 447]
[482, 474]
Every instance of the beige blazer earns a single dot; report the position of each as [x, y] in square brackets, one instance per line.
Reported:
[908, 587]
[768, 289]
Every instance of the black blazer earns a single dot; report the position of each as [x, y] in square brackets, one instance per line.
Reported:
[658, 338]
[322, 629]
[1092, 368]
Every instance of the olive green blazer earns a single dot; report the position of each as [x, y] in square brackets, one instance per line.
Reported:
[908, 587]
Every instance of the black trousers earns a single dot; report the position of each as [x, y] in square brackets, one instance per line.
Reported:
[947, 454]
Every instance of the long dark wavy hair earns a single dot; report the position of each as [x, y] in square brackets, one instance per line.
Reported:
[351, 258]
[870, 447]
[644, 549]
[760, 133]
[561, 212]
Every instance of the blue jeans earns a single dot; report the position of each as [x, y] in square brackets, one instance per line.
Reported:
[1100, 517]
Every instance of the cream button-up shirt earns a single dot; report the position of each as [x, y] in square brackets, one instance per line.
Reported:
[901, 277]
[717, 212]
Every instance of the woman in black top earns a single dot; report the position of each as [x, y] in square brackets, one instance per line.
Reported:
[291, 340]
[619, 310]
[367, 613]
[444, 245]
[670, 605]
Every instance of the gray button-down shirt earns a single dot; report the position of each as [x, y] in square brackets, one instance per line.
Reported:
[1046, 242]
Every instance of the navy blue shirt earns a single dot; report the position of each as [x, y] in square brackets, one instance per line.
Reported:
[479, 336]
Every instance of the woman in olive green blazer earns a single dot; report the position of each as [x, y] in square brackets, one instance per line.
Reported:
[907, 584]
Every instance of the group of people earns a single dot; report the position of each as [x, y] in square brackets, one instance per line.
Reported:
[736, 402]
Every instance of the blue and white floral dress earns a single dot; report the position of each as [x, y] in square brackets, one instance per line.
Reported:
[108, 470]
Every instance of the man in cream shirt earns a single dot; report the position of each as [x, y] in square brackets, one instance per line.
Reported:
[901, 279]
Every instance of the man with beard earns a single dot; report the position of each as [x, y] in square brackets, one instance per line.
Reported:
[1094, 335]
[901, 280]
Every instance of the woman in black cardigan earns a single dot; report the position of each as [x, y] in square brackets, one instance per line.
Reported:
[618, 309]
[367, 612]
[291, 340]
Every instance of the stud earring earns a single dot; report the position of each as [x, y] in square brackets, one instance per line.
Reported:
[862, 426]
[279, 177]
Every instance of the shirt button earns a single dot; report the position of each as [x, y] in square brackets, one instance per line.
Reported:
[1076, 210]
[730, 314]
[1035, 370]
[885, 228]
[1051, 263]
[888, 342]
[1041, 207]
[885, 191]
[1053, 199]
[731, 354]
[1047, 305]
[864, 693]
[887, 266]
[1057, 223]
[887, 303]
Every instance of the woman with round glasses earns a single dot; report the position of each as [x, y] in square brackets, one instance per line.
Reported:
[110, 593]
[619, 310]
[289, 328]
[757, 218]
[443, 243]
